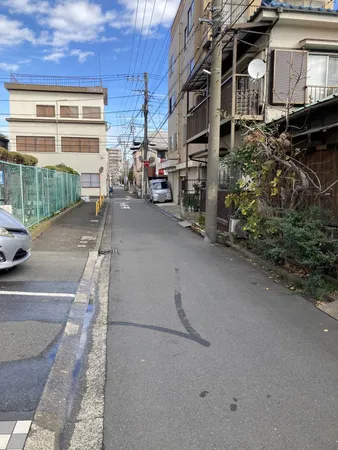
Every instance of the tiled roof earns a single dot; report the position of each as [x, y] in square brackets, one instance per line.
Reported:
[276, 4]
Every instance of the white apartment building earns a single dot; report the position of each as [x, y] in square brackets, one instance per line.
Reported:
[115, 165]
[61, 125]
[263, 28]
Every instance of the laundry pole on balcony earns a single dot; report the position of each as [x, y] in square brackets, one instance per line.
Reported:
[233, 94]
[214, 120]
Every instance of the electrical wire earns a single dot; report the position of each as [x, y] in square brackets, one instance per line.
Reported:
[220, 39]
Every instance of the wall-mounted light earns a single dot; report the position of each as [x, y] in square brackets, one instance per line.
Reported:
[206, 71]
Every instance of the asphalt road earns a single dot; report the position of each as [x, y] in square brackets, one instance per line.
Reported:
[31, 324]
[205, 351]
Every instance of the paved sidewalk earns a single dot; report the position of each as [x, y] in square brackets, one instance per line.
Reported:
[171, 208]
[33, 317]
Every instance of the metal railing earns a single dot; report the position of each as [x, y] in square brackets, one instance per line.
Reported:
[316, 93]
[248, 103]
[56, 80]
[35, 193]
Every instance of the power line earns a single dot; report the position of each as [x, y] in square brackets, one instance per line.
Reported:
[221, 37]
[145, 44]
[158, 29]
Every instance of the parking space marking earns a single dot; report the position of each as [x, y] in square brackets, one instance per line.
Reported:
[38, 294]
[13, 434]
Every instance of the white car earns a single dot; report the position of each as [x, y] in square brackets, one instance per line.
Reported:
[15, 241]
[159, 191]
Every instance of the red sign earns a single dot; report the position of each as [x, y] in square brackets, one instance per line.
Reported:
[146, 164]
[161, 172]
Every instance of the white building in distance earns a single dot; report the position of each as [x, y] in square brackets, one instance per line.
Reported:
[61, 124]
[115, 165]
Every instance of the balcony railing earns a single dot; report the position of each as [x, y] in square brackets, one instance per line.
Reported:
[316, 93]
[248, 102]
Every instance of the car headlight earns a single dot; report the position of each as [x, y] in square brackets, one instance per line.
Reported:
[6, 233]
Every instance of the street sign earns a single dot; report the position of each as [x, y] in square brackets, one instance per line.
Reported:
[146, 164]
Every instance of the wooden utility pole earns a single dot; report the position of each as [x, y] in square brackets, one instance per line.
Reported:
[145, 139]
[214, 121]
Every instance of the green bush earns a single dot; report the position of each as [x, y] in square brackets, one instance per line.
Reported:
[17, 158]
[201, 220]
[62, 168]
[190, 201]
[301, 237]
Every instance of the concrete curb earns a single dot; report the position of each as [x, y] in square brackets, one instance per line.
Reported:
[40, 228]
[55, 403]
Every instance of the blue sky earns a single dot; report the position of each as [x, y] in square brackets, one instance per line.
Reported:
[82, 37]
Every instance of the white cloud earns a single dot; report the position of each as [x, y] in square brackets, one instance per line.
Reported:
[121, 49]
[107, 39]
[9, 67]
[55, 56]
[82, 56]
[81, 21]
[24, 61]
[13, 33]
[76, 21]
[25, 6]
[147, 12]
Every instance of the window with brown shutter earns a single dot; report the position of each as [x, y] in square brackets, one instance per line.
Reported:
[91, 112]
[69, 111]
[80, 145]
[289, 80]
[39, 144]
[45, 110]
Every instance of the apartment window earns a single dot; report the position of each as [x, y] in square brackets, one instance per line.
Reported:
[90, 180]
[322, 78]
[322, 70]
[35, 144]
[172, 101]
[190, 17]
[191, 66]
[69, 111]
[45, 110]
[171, 67]
[185, 37]
[91, 112]
[80, 145]
[171, 143]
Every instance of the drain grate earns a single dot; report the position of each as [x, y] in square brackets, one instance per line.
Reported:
[112, 251]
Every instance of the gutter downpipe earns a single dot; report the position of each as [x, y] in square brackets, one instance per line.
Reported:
[268, 61]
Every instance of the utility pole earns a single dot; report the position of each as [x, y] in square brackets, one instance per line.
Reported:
[145, 139]
[214, 121]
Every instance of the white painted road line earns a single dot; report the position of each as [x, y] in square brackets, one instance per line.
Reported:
[38, 294]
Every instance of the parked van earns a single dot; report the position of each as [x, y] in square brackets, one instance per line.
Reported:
[159, 191]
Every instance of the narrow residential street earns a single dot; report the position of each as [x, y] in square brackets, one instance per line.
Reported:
[205, 351]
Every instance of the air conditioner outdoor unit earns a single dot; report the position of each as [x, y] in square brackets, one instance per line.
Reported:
[235, 227]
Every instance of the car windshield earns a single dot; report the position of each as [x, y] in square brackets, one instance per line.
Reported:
[160, 185]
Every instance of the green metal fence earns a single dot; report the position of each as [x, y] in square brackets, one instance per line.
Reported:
[36, 193]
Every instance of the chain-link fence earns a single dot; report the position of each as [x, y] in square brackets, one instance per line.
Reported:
[36, 193]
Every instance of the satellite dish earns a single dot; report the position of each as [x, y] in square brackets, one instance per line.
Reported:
[151, 160]
[257, 69]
